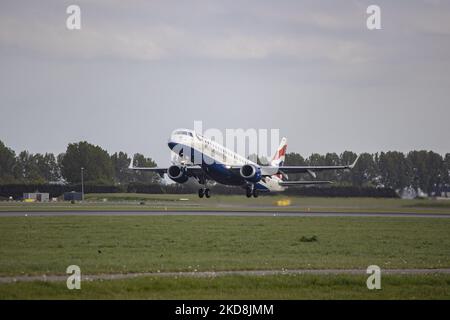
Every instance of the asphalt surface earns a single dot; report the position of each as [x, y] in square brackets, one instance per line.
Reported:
[206, 274]
[225, 213]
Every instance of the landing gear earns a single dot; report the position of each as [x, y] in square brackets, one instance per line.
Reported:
[204, 192]
[251, 191]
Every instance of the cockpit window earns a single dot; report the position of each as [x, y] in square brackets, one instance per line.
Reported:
[184, 133]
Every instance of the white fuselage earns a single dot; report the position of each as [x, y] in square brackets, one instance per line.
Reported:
[215, 159]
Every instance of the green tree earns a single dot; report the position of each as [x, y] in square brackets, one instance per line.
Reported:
[316, 159]
[347, 157]
[365, 171]
[7, 163]
[428, 170]
[96, 162]
[121, 162]
[294, 159]
[27, 169]
[437, 171]
[49, 167]
[140, 160]
[36, 168]
[447, 168]
[395, 171]
[331, 159]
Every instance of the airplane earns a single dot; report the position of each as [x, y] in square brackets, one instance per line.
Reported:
[206, 160]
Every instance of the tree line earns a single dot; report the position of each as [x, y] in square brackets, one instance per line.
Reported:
[99, 166]
[425, 170]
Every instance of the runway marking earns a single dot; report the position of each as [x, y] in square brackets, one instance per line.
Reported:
[225, 213]
[212, 274]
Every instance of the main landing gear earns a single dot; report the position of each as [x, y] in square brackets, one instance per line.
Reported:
[204, 192]
[251, 191]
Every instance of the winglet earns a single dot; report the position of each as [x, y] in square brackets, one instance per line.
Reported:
[351, 166]
[131, 167]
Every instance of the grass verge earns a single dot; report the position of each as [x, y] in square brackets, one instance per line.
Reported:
[240, 287]
[117, 244]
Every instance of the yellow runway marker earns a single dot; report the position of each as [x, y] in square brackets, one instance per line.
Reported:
[283, 202]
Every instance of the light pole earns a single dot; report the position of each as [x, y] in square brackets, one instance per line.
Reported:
[82, 184]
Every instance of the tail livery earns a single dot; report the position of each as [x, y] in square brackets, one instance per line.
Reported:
[279, 156]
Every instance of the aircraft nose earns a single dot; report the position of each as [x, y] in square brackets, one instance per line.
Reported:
[171, 143]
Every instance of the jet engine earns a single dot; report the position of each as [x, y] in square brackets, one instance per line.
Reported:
[251, 173]
[177, 174]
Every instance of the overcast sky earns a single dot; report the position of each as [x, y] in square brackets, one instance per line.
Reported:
[139, 69]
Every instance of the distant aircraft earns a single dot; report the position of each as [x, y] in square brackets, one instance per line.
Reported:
[217, 163]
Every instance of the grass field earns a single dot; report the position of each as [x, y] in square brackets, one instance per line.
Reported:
[148, 202]
[239, 287]
[123, 244]
[106, 244]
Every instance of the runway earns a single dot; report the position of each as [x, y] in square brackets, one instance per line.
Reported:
[211, 274]
[249, 213]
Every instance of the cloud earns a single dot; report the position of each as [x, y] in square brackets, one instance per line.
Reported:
[333, 33]
[165, 42]
[49, 40]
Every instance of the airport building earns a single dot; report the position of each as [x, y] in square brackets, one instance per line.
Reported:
[75, 196]
[36, 196]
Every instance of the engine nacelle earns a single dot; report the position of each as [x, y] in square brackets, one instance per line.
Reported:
[177, 174]
[251, 173]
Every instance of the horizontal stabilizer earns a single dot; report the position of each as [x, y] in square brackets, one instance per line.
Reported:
[302, 183]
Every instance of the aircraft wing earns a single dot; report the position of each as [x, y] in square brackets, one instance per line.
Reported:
[149, 169]
[191, 170]
[269, 170]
